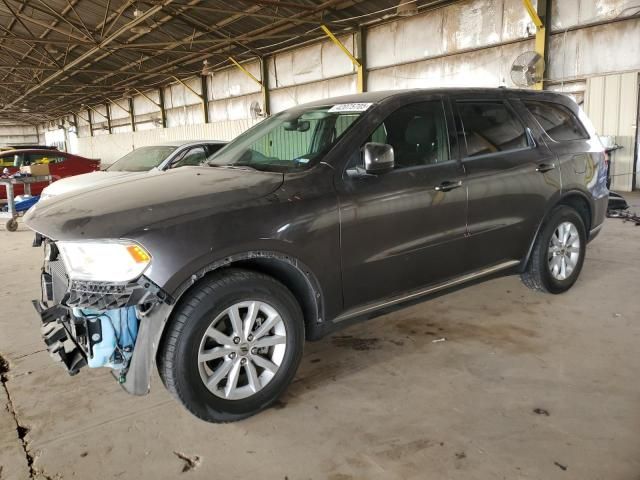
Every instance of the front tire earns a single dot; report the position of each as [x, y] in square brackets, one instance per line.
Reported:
[233, 345]
[558, 253]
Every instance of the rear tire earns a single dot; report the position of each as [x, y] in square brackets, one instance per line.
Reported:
[558, 253]
[233, 345]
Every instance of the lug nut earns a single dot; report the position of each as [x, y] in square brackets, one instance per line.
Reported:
[254, 351]
[232, 355]
[243, 361]
[250, 337]
[236, 340]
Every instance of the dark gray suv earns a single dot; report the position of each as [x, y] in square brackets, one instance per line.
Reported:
[319, 216]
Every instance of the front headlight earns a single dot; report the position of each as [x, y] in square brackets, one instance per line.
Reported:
[104, 260]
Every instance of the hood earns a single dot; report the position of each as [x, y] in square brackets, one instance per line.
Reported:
[121, 208]
[86, 180]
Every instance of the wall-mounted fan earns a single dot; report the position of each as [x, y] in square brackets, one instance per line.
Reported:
[527, 69]
[255, 110]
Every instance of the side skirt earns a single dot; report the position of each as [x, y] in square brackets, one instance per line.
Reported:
[370, 309]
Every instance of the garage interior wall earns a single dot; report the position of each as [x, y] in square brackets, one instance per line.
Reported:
[611, 102]
[18, 135]
[468, 43]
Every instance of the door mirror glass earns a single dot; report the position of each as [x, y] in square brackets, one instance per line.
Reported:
[378, 157]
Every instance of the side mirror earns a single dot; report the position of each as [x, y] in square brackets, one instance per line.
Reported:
[378, 157]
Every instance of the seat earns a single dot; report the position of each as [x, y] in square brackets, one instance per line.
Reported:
[420, 146]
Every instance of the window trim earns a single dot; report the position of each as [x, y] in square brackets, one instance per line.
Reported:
[531, 144]
[586, 137]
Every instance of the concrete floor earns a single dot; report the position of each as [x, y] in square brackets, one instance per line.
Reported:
[378, 400]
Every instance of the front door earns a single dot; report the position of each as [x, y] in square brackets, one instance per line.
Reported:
[404, 229]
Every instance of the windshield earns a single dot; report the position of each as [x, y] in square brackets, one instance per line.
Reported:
[292, 140]
[142, 159]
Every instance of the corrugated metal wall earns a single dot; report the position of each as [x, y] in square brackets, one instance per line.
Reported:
[611, 102]
[109, 148]
[18, 135]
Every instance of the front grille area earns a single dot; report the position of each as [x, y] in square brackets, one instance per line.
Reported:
[59, 280]
[100, 295]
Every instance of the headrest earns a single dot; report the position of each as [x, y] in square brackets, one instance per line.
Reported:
[420, 131]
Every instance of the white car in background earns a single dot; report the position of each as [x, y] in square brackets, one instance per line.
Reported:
[139, 162]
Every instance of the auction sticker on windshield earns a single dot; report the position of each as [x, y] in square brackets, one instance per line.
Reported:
[350, 107]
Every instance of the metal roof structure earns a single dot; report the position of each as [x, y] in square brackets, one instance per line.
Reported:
[57, 55]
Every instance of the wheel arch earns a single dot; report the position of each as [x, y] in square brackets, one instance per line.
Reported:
[288, 270]
[575, 199]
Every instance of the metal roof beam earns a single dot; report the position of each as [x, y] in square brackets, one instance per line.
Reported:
[92, 51]
[44, 24]
[267, 16]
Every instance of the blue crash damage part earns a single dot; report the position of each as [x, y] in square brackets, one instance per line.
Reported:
[113, 346]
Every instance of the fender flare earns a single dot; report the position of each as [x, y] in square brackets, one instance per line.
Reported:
[152, 325]
[548, 211]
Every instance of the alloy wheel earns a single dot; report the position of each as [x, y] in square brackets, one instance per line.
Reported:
[564, 251]
[242, 350]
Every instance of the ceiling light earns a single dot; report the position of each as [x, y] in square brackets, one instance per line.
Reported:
[53, 49]
[406, 9]
[140, 29]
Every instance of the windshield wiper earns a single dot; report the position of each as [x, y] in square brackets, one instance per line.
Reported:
[240, 166]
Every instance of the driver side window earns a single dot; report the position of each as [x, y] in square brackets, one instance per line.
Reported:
[417, 133]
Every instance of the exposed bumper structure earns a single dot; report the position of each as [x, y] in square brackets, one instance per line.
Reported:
[100, 323]
[60, 343]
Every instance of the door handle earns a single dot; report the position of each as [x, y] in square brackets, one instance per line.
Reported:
[545, 167]
[447, 186]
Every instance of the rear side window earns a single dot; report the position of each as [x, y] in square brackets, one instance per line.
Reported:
[490, 127]
[214, 147]
[558, 121]
[45, 158]
[194, 157]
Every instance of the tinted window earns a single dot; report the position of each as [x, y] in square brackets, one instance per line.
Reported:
[558, 121]
[417, 133]
[214, 147]
[490, 127]
[11, 160]
[195, 156]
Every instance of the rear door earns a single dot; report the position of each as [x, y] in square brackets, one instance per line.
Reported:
[404, 229]
[511, 177]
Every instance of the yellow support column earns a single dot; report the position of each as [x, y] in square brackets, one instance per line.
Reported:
[263, 85]
[540, 34]
[354, 60]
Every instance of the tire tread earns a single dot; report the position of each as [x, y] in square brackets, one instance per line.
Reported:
[167, 350]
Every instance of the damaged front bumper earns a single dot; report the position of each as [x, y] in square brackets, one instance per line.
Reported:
[101, 324]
